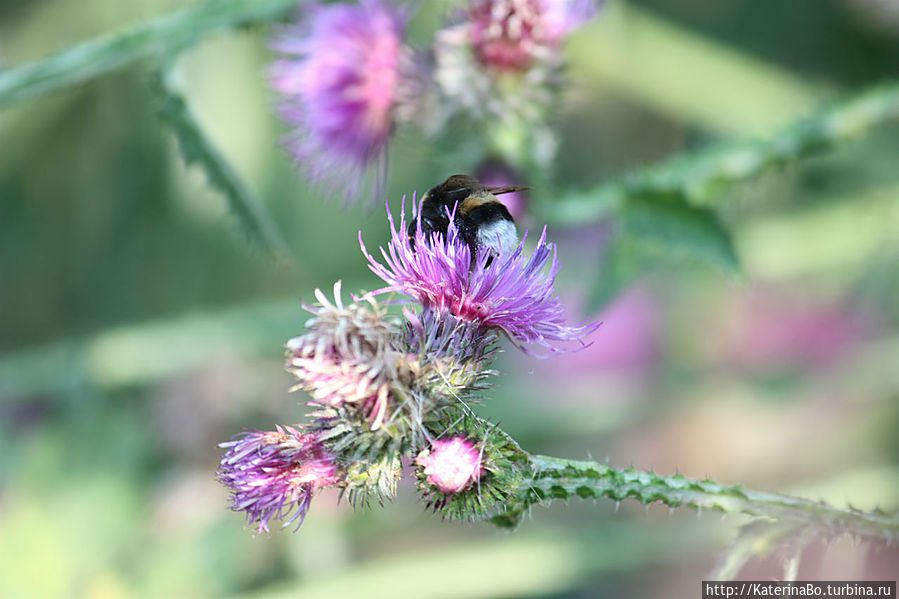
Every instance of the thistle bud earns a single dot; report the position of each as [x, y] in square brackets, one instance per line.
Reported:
[473, 470]
[452, 465]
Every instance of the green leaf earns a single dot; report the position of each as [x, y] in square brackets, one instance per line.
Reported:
[701, 177]
[658, 232]
[666, 225]
[198, 149]
[152, 39]
[623, 263]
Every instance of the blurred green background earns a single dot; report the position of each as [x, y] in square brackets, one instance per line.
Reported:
[138, 328]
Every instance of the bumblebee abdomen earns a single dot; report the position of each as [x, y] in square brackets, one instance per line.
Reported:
[500, 235]
[487, 223]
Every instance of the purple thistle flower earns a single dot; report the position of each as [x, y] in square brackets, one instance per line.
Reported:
[452, 465]
[273, 474]
[508, 291]
[338, 77]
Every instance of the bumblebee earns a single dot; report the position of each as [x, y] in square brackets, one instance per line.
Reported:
[483, 221]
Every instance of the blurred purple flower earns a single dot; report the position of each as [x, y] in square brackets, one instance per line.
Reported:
[502, 64]
[629, 343]
[452, 465]
[338, 78]
[511, 34]
[509, 292]
[273, 474]
[561, 17]
[772, 329]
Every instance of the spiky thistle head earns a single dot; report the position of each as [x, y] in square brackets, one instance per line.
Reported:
[274, 474]
[346, 357]
[472, 470]
[510, 292]
[377, 386]
[452, 356]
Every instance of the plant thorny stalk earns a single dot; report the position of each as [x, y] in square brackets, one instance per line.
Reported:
[556, 478]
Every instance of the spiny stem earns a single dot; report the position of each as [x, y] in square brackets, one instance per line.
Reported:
[557, 478]
[152, 39]
[697, 177]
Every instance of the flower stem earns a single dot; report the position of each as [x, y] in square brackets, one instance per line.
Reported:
[557, 478]
[151, 39]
